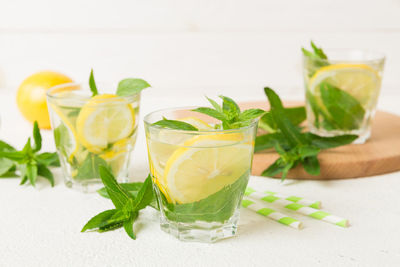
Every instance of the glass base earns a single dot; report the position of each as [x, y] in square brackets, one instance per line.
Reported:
[206, 232]
[363, 134]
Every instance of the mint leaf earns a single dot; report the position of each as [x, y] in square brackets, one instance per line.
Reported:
[144, 196]
[318, 51]
[31, 172]
[311, 165]
[98, 220]
[129, 87]
[346, 112]
[212, 113]
[267, 141]
[43, 171]
[230, 108]
[215, 105]
[176, 125]
[89, 168]
[5, 165]
[132, 188]
[330, 142]
[296, 115]
[251, 114]
[217, 207]
[92, 84]
[118, 195]
[128, 224]
[48, 159]
[6, 147]
[37, 137]
[292, 134]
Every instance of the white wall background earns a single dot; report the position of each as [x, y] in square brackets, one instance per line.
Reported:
[180, 46]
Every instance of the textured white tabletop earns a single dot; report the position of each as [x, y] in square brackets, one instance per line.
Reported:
[41, 226]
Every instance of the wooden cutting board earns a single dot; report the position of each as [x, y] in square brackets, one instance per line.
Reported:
[379, 155]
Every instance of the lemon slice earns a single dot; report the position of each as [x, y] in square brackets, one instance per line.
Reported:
[103, 120]
[196, 122]
[205, 165]
[359, 80]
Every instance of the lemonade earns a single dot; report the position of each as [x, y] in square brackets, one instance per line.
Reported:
[90, 131]
[199, 176]
[342, 93]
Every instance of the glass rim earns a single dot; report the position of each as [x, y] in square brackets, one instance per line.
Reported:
[51, 94]
[376, 57]
[147, 123]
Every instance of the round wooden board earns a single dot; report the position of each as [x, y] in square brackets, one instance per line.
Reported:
[379, 155]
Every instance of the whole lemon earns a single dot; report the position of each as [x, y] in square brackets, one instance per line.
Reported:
[31, 96]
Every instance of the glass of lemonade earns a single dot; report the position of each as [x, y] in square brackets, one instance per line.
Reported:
[342, 92]
[92, 131]
[199, 176]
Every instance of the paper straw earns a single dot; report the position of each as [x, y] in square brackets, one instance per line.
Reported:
[311, 212]
[303, 201]
[270, 213]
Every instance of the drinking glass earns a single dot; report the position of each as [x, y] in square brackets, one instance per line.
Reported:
[199, 176]
[342, 92]
[92, 131]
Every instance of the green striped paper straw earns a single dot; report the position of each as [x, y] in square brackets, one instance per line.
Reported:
[311, 212]
[303, 201]
[270, 213]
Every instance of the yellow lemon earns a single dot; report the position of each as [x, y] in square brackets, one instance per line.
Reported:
[104, 120]
[205, 164]
[359, 80]
[31, 96]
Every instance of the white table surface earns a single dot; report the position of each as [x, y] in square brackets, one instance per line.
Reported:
[41, 226]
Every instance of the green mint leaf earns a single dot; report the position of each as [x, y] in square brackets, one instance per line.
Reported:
[275, 168]
[98, 220]
[5, 165]
[117, 194]
[62, 138]
[215, 105]
[311, 165]
[48, 159]
[344, 109]
[27, 150]
[129, 187]
[129, 87]
[90, 167]
[22, 171]
[31, 172]
[230, 108]
[307, 151]
[44, 172]
[176, 125]
[330, 142]
[14, 155]
[92, 84]
[283, 123]
[218, 207]
[296, 115]
[251, 114]
[37, 137]
[212, 113]
[267, 141]
[6, 147]
[128, 224]
[318, 51]
[144, 196]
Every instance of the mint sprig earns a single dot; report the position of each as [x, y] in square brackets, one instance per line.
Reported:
[28, 163]
[126, 87]
[228, 113]
[293, 146]
[127, 205]
[92, 84]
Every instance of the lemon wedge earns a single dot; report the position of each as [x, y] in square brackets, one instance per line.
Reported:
[359, 80]
[103, 120]
[205, 164]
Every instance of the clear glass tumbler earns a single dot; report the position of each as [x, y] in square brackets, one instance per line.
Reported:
[92, 131]
[199, 176]
[342, 92]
